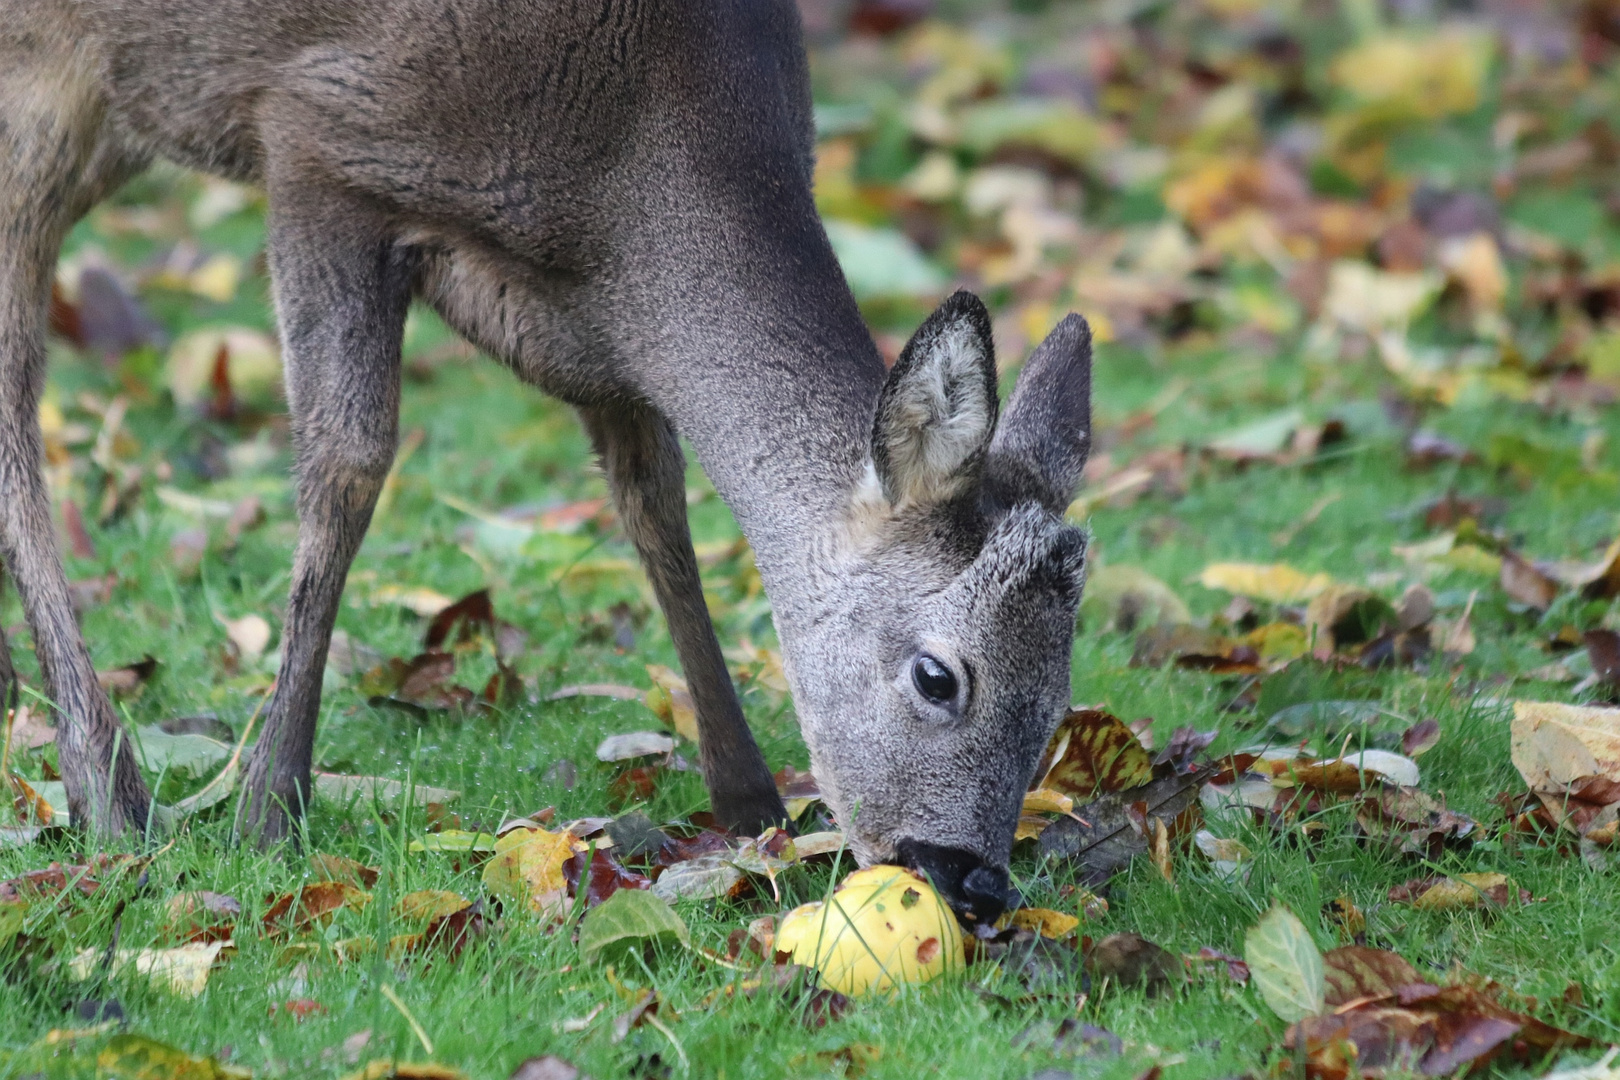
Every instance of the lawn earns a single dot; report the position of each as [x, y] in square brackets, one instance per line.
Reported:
[1347, 301]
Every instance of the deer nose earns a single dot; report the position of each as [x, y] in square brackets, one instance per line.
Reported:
[974, 889]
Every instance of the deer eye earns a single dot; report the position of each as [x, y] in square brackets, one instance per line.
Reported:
[933, 679]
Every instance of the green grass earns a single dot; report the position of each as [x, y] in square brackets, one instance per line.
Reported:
[492, 444]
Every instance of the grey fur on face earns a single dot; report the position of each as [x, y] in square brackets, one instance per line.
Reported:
[614, 200]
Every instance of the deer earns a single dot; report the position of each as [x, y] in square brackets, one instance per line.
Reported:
[614, 199]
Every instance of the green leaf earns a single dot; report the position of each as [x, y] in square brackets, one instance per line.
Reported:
[882, 262]
[135, 1057]
[626, 917]
[194, 756]
[1285, 964]
[12, 917]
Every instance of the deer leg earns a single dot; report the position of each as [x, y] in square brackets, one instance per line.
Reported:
[57, 158]
[342, 285]
[647, 472]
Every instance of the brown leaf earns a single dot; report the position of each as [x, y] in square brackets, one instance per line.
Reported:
[1358, 973]
[129, 678]
[1105, 834]
[1420, 737]
[1237, 969]
[1412, 821]
[32, 808]
[338, 868]
[55, 881]
[1133, 960]
[1092, 752]
[644, 1008]
[1603, 647]
[549, 1067]
[201, 917]
[314, 903]
[467, 619]
[1195, 648]
[1461, 891]
[1526, 584]
[606, 877]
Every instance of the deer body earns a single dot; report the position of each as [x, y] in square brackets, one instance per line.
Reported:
[614, 199]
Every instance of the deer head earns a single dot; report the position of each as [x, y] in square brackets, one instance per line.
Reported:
[933, 664]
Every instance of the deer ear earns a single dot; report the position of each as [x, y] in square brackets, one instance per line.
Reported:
[937, 410]
[1040, 448]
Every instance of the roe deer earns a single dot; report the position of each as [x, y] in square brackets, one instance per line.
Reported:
[612, 197]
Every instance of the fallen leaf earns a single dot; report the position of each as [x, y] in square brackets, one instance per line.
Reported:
[628, 917]
[549, 1067]
[634, 744]
[389, 1069]
[1603, 649]
[1132, 960]
[32, 808]
[1277, 583]
[182, 971]
[1285, 964]
[314, 904]
[1126, 598]
[129, 678]
[1570, 757]
[1411, 821]
[1092, 752]
[418, 599]
[706, 877]
[1103, 835]
[527, 868]
[1228, 858]
[1461, 891]
[340, 868]
[429, 904]
[671, 701]
[135, 1057]
[1527, 584]
[341, 788]
[1053, 924]
[202, 917]
[250, 635]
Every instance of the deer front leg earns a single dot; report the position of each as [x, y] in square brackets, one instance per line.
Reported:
[647, 472]
[342, 284]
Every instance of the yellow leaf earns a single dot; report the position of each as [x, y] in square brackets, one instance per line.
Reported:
[1465, 891]
[527, 867]
[430, 904]
[182, 971]
[1277, 583]
[1418, 76]
[1475, 263]
[1557, 746]
[1278, 642]
[1044, 921]
[32, 807]
[671, 700]
[1047, 801]
[1093, 751]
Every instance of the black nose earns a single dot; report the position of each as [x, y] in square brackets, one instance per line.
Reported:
[976, 891]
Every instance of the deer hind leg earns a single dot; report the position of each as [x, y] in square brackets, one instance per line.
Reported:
[647, 472]
[342, 285]
[58, 157]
